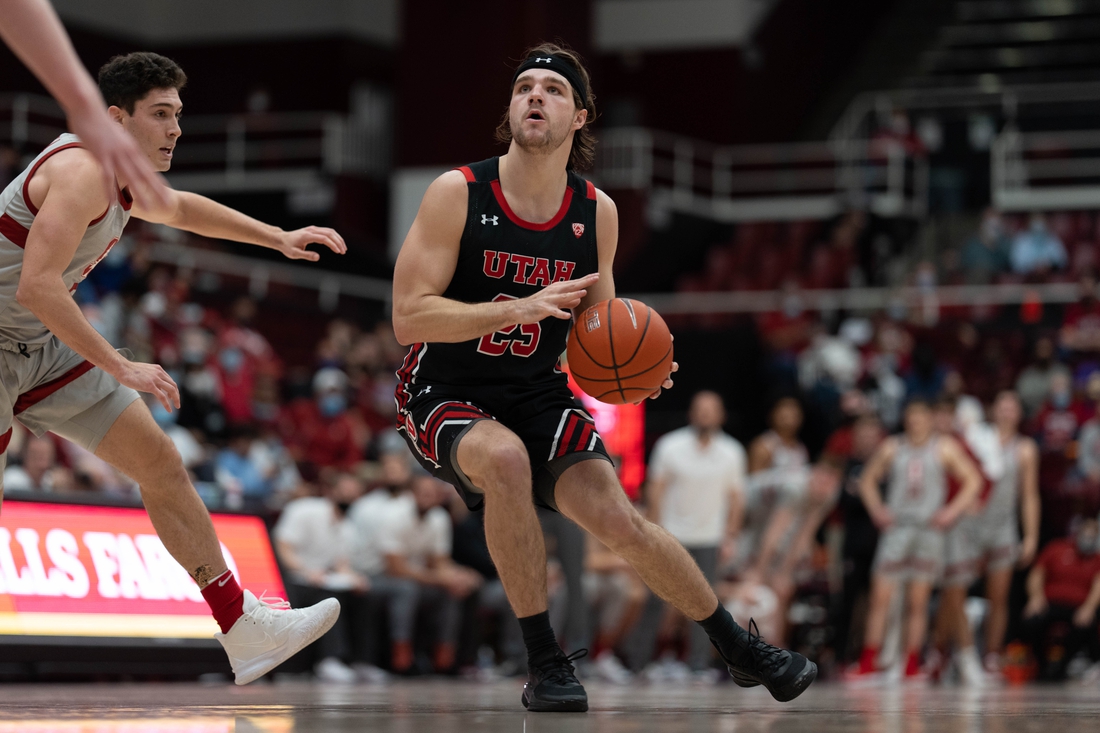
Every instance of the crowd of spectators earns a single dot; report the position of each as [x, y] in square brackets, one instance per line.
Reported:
[779, 529]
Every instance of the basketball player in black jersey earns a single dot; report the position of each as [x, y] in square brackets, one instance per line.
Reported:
[499, 255]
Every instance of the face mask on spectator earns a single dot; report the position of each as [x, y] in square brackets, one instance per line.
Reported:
[231, 359]
[1060, 399]
[162, 416]
[1086, 543]
[332, 404]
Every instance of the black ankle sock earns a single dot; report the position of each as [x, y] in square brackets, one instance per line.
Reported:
[723, 630]
[539, 638]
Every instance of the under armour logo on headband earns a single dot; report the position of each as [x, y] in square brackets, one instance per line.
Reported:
[538, 60]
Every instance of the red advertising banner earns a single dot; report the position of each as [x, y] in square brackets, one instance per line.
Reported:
[71, 570]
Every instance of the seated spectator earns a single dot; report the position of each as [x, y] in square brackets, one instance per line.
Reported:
[615, 592]
[987, 254]
[313, 540]
[396, 597]
[1055, 429]
[1081, 325]
[1033, 384]
[191, 451]
[245, 486]
[275, 464]
[200, 388]
[1064, 588]
[1036, 250]
[416, 544]
[38, 470]
[236, 381]
[1088, 450]
[318, 431]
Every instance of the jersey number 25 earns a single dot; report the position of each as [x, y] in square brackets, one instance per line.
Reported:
[520, 340]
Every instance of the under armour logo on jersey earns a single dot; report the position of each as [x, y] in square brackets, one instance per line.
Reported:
[486, 219]
[426, 389]
[578, 230]
[542, 61]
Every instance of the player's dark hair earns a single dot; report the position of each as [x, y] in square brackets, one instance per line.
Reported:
[124, 80]
[584, 142]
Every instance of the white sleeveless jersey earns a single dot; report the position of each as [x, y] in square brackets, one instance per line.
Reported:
[20, 330]
[1001, 505]
[917, 482]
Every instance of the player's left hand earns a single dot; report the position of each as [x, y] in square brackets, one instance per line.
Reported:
[943, 519]
[293, 244]
[667, 384]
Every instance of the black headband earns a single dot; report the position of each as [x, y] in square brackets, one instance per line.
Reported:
[560, 66]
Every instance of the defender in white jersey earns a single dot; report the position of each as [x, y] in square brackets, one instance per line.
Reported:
[58, 374]
[913, 518]
[988, 541]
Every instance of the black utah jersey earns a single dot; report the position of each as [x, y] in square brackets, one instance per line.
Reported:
[503, 257]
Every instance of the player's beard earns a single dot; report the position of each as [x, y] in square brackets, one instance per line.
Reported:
[537, 144]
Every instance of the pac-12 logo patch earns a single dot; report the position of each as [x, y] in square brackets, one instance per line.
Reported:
[578, 230]
[591, 318]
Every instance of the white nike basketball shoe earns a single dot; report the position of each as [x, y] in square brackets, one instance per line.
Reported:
[271, 632]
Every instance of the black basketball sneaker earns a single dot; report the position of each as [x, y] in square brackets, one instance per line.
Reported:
[785, 674]
[553, 687]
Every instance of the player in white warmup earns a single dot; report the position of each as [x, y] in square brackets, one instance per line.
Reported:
[58, 374]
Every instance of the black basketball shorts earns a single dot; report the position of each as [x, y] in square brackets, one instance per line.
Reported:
[553, 425]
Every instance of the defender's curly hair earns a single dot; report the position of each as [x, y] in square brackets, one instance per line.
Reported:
[126, 79]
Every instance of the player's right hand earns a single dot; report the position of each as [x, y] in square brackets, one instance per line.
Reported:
[153, 379]
[882, 517]
[557, 300]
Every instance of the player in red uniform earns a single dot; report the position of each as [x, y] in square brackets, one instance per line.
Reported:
[499, 254]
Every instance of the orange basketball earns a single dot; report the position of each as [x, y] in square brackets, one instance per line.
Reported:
[620, 351]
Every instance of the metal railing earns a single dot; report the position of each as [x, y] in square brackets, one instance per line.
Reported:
[763, 182]
[1046, 170]
[260, 274]
[860, 299]
[233, 152]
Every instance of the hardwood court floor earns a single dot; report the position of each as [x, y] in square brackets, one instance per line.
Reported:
[460, 707]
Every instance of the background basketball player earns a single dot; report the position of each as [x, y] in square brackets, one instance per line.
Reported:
[988, 542]
[913, 519]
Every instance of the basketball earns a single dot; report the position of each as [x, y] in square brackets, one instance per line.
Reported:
[620, 351]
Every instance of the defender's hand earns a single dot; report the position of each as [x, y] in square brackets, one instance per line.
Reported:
[557, 300]
[153, 379]
[293, 244]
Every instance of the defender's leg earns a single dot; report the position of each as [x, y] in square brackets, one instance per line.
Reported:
[135, 445]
